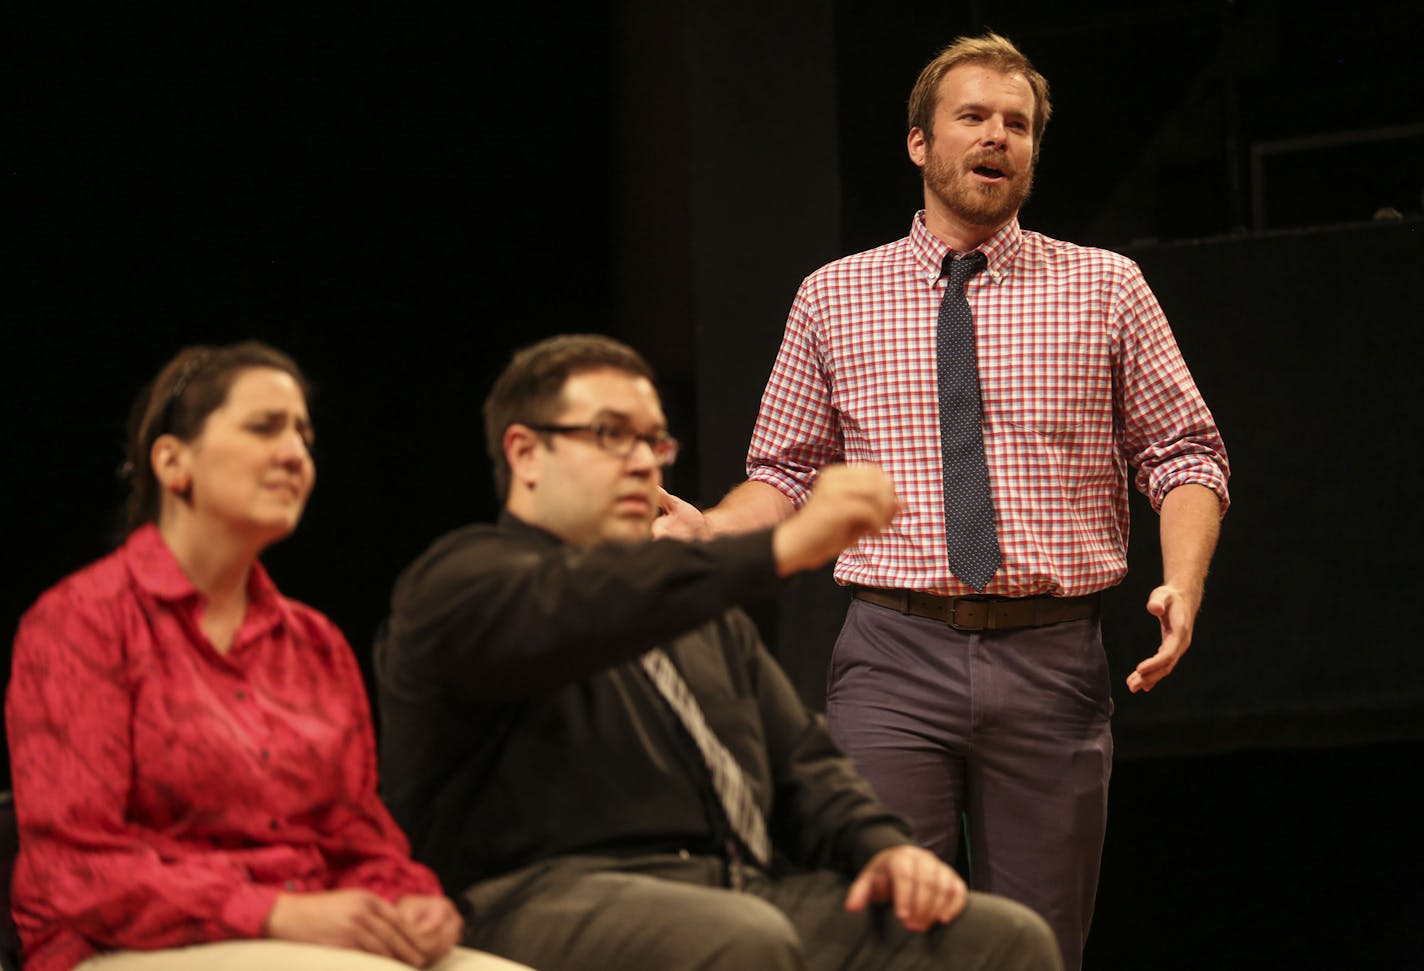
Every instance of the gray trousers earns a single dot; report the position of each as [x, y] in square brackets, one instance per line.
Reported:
[1009, 727]
[673, 912]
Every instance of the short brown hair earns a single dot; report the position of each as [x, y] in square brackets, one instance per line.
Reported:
[190, 387]
[993, 50]
[531, 387]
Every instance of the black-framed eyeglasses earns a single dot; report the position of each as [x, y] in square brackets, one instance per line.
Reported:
[619, 439]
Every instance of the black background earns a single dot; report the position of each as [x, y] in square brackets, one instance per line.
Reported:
[399, 195]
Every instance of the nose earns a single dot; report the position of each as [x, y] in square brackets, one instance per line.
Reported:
[642, 460]
[994, 131]
[292, 450]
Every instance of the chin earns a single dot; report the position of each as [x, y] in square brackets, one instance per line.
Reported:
[629, 531]
[279, 527]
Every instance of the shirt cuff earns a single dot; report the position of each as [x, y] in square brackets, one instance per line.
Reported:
[746, 565]
[246, 911]
[794, 487]
[1209, 476]
[392, 879]
[872, 840]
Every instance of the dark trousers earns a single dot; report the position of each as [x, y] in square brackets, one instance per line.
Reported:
[1009, 727]
[673, 912]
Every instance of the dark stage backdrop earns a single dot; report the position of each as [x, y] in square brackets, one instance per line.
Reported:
[400, 195]
[396, 197]
[1306, 346]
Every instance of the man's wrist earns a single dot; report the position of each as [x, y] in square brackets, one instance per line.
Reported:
[1191, 590]
[713, 523]
[875, 839]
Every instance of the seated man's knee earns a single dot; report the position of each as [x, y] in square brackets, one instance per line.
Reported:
[752, 933]
[1008, 936]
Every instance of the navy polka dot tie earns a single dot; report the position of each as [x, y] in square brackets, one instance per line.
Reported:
[970, 535]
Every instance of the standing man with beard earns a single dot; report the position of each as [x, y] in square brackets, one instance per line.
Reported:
[1006, 381]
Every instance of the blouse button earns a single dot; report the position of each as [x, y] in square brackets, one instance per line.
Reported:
[272, 824]
[241, 695]
[266, 755]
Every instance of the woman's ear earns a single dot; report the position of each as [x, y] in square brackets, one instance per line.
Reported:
[169, 459]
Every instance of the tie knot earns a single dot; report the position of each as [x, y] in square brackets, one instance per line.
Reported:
[960, 270]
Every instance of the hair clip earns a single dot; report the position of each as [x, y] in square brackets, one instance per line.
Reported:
[185, 377]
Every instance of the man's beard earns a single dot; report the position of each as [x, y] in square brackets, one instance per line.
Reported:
[986, 205]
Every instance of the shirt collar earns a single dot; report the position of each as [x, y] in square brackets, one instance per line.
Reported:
[156, 570]
[510, 523]
[999, 249]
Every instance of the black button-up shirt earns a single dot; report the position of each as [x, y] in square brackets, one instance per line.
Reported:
[518, 725]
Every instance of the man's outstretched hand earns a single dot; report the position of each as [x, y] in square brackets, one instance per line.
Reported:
[680, 519]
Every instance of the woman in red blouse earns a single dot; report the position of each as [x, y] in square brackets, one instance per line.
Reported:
[192, 752]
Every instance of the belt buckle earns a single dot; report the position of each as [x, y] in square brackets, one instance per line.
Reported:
[736, 874]
[953, 620]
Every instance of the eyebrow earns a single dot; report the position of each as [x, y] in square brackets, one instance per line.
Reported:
[300, 419]
[607, 413]
[980, 108]
[279, 413]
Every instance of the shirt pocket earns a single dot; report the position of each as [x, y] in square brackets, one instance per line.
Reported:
[1054, 380]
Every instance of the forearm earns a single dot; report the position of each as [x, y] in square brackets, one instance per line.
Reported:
[750, 506]
[129, 900]
[825, 814]
[509, 619]
[1190, 523]
[83, 862]
[831, 816]
[390, 877]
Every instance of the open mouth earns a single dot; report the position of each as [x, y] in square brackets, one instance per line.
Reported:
[989, 172]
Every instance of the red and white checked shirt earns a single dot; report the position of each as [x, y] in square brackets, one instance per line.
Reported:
[1080, 378]
[166, 793]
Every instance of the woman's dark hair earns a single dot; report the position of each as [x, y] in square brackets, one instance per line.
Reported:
[189, 388]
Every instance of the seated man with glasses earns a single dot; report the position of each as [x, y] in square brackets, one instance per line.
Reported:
[585, 739]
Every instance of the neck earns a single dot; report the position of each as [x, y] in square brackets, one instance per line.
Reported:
[216, 561]
[522, 506]
[950, 228]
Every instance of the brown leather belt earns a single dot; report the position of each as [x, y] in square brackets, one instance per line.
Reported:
[983, 613]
